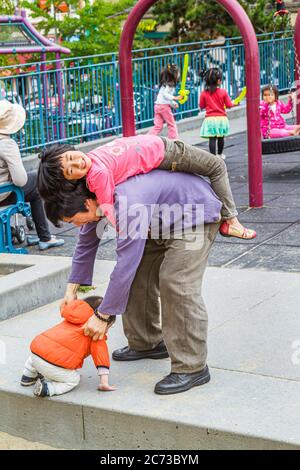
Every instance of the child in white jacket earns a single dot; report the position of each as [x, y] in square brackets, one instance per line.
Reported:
[165, 101]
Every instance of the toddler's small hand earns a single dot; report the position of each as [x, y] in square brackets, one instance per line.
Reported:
[107, 388]
[66, 300]
[176, 105]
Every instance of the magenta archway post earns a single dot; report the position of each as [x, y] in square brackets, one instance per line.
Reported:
[241, 19]
[297, 51]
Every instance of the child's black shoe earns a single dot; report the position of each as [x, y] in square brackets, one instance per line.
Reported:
[27, 381]
[41, 389]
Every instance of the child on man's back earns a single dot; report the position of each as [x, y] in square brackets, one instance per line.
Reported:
[111, 164]
[59, 351]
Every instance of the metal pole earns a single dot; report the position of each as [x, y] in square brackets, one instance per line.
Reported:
[45, 92]
[252, 82]
[38, 73]
[297, 55]
[62, 133]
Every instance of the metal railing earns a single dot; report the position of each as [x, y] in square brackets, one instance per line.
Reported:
[78, 99]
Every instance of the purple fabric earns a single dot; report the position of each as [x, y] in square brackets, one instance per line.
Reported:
[142, 192]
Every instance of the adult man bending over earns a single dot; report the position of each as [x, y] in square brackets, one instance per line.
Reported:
[156, 283]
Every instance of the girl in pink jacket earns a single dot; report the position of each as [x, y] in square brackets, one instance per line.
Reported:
[273, 125]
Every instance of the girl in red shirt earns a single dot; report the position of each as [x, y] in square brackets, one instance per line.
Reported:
[215, 99]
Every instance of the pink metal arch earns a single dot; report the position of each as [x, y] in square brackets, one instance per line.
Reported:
[252, 81]
[297, 51]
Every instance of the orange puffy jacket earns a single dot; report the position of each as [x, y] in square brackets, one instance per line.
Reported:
[65, 345]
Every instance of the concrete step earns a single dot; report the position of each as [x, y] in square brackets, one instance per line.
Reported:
[252, 401]
[29, 281]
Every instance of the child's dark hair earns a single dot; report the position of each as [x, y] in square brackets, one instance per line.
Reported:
[50, 173]
[65, 203]
[94, 301]
[270, 88]
[169, 76]
[211, 78]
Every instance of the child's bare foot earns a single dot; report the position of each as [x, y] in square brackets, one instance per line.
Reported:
[107, 388]
[233, 228]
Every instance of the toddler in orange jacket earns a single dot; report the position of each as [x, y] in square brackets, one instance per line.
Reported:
[59, 351]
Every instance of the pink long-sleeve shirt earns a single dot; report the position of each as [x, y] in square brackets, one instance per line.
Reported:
[274, 116]
[117, 161]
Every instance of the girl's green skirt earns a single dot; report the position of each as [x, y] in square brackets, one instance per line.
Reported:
[215, 126]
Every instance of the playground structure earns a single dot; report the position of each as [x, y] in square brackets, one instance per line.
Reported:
[297, 48]
[18, 36]
[92, 94]
[252, 82]
[87, 86]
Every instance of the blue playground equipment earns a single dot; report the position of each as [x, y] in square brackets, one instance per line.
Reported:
[7, 232]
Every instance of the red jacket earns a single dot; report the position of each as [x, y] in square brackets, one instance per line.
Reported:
[215, 103]
[65, 345]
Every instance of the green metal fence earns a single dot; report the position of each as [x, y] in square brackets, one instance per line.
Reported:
[88, 107]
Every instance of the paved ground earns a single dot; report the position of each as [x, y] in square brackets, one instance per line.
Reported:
[277, 246]
[252, 400]
[8, 442]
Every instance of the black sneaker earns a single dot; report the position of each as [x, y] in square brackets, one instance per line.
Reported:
[127, 354]
[27, 381]
[41, 389]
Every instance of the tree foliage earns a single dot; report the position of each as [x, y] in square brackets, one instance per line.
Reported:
[93, 29]
[194, 20]
[96, 28]
[6, 7]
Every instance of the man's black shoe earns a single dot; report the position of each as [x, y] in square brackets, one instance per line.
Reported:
[177, 383]
[127, 354]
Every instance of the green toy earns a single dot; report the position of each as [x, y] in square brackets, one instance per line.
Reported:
[183, 92]
[241, 96]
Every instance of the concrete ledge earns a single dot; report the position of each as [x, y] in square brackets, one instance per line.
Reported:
[71, 426]
[34, 281]
[252, 401]
[30, 420]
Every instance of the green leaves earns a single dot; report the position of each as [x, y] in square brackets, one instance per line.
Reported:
[195, 20]
[6, 7]
[94, 29]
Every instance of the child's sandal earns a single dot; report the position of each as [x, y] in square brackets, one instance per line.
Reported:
[227, 230]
